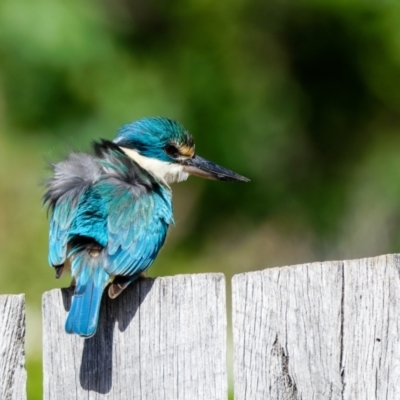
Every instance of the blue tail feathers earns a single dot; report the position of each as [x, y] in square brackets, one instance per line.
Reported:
[83, 315]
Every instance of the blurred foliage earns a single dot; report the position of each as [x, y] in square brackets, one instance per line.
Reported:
[300, 96]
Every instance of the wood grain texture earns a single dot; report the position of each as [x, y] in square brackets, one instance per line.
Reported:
[12, 352]
[318, 331]
[163, 338]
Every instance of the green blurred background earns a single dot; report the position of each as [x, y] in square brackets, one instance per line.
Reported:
[300, 96]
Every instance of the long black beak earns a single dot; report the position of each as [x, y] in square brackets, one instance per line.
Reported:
[207, 169]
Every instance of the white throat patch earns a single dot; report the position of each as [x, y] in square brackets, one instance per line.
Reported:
[164, 171]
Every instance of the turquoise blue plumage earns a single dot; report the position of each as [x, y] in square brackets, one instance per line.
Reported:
[110, 210]
[106, 227]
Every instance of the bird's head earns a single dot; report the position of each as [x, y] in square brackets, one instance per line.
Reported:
[164, 148]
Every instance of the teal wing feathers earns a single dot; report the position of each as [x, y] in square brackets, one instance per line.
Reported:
[71, 179]
[60, 222]
[137, 227]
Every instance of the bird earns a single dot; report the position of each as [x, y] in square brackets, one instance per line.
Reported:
[110, 210]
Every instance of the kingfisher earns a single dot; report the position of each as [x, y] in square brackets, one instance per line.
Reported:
[110, 210]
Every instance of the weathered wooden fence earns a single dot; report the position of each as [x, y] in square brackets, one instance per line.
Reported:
[315, 331]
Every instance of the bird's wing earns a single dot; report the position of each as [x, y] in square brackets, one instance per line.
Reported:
[137, 225]
[89, 223]
[71, 180]
[60, 222]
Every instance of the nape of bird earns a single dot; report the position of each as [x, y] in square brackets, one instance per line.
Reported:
[110, 210]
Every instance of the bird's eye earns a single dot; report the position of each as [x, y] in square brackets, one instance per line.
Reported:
[171, 150]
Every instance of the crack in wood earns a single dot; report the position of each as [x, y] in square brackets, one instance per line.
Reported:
[289, 385]
[342, 369]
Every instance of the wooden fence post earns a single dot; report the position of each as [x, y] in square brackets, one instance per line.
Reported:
[318, 331]
[12, 353]
[163, 338]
